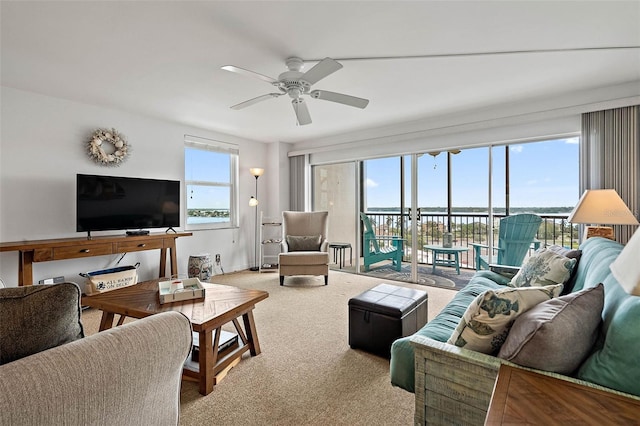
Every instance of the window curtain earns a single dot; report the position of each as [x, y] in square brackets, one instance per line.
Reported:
[297, 182]
[610, 157]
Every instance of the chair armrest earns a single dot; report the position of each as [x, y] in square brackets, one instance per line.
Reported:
[504, 270]
[478, 245]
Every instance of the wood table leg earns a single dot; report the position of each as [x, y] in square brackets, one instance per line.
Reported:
[107, 321]
[25, 267]
[163, 264]
[207, 359]
[252, 334]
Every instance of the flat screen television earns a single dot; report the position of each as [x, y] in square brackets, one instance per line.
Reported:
[114, 202]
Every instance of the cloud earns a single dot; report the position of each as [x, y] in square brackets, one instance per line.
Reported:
[371, 183]
[532, 182]
[574, 141]
[516, 148]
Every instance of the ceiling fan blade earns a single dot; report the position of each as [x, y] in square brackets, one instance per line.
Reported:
[256, 100]
[302, 112]
[248, 73]
[339, 98]
[322, 69]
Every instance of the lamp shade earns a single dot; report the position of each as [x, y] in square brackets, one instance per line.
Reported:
[253, 201]
[626, 268]
[256, 171]
[602, 206]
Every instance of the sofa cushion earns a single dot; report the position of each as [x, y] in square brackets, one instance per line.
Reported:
[544, 267]
[35, 318]
[556, 335]
[486, 322]
[304, 242]
[614, 361]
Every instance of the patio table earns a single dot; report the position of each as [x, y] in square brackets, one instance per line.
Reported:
[445, 254]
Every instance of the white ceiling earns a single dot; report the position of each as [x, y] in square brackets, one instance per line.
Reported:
[163, 59]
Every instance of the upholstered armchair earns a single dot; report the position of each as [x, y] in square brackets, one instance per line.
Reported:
[304, 247]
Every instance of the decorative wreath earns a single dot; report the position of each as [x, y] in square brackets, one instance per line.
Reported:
[113, 155]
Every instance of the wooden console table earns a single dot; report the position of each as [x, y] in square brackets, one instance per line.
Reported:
[522, 397]
[74, 248]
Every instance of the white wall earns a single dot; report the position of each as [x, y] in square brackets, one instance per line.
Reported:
[531, 119]
[42, 148]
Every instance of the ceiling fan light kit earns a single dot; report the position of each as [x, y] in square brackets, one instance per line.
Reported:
[296, 84]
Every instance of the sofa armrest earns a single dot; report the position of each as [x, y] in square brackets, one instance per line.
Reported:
[126, 375]
[452, 382]
[457, 383]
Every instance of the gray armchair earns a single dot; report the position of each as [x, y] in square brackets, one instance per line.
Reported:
[51, 374]
[304, 249]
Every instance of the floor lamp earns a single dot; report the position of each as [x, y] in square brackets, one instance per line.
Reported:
[253, 202]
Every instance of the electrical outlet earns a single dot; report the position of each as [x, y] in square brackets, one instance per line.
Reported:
[217, 258]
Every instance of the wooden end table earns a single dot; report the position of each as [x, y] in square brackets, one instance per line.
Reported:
[522, 397]
[222, 304]
[448, 252]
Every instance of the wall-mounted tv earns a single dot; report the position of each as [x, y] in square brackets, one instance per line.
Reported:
[114, 202]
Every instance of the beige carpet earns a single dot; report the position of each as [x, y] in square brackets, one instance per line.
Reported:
[306, 373]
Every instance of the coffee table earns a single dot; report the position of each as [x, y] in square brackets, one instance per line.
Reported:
[222, 304]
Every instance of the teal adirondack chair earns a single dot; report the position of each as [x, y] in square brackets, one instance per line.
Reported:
[515, 236]
[377, 248]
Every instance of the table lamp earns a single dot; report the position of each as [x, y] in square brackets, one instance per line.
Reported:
[626, 268]
[601, 206]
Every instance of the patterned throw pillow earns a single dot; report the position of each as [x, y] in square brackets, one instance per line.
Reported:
[544, 267]
[486, 322]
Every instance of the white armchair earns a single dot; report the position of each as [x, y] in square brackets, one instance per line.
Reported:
[305, 249]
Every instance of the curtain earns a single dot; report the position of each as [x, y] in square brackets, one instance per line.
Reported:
[610, 157]
[297, 182]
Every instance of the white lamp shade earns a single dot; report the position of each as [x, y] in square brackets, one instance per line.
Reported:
[602, 206]
[626, 268]
[256, 171]
[253, 201]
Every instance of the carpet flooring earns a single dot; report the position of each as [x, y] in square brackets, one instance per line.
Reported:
[306, 374]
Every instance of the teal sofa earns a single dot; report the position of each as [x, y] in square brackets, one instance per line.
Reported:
[455, 383]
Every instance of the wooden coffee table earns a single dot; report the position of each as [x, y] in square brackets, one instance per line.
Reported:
[222, 304]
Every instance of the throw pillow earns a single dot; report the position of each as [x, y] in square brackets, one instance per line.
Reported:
[571, 254]
[304, 242]
[556, 335]
[486, 322]
[35, 318]
[544, 267]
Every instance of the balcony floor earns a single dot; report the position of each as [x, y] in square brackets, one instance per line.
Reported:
[444, 277]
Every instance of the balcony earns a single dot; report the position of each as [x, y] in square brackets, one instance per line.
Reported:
[466, 228]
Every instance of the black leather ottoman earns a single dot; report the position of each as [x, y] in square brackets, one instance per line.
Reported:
[383, 314]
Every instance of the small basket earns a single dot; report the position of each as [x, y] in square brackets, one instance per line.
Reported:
[110, 279]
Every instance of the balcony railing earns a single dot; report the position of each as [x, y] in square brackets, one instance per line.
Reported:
[466, 228]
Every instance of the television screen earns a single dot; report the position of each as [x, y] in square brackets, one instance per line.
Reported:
[113, 202]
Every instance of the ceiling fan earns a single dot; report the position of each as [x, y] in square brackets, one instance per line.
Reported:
[296, 83]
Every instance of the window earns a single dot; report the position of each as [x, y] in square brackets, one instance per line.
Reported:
[210, 177]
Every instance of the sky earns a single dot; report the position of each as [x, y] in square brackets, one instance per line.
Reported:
[542, 174]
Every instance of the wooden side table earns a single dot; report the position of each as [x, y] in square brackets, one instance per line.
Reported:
[522, 397]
